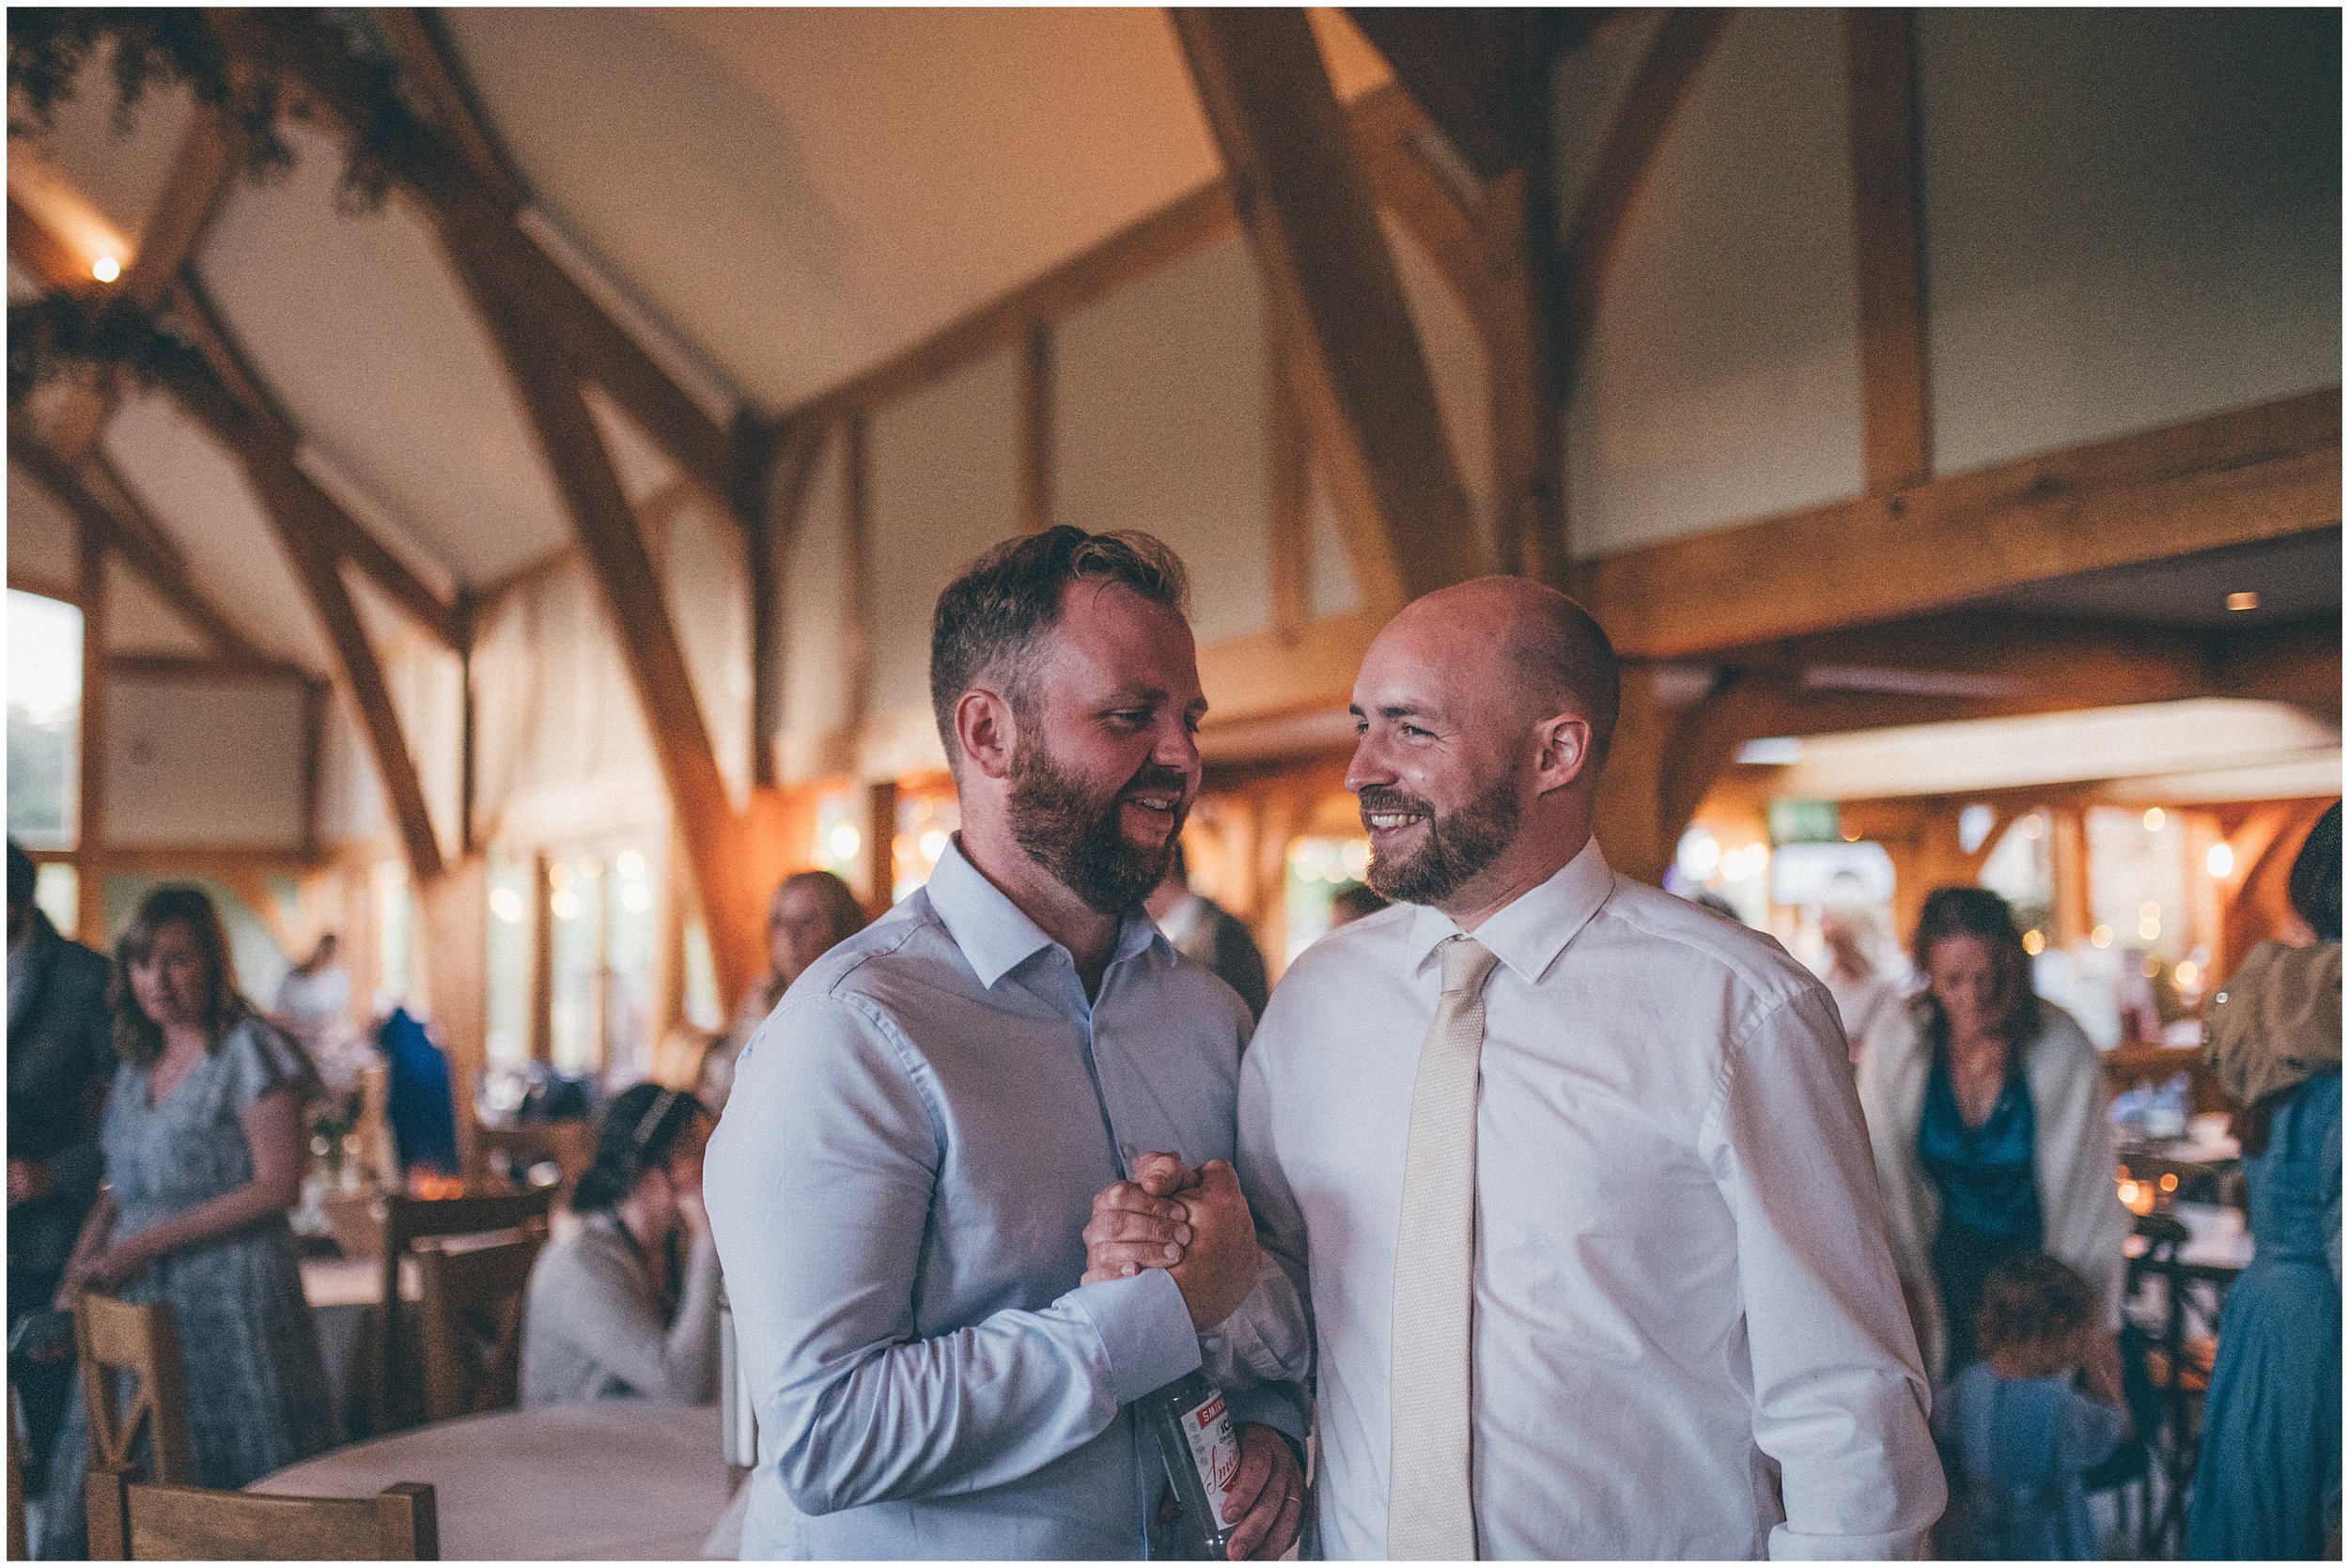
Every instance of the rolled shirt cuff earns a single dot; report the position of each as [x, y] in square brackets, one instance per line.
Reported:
[1278, 1406]
[1144, 1328]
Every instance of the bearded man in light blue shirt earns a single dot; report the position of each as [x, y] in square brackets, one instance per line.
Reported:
[902, 1180]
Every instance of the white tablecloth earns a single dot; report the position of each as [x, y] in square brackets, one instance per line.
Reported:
[614, 1479]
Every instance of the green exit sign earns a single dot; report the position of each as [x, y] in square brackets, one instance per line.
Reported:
[1804, 822]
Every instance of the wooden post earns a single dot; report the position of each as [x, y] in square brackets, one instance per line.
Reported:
[1888, 212]
[1332, 289]
[90, 812]
[880, 840]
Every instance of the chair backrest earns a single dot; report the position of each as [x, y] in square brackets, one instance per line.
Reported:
[472, 1324]
[409, 1220]
[116, 1337]
[20, 1540]
[145, 1522]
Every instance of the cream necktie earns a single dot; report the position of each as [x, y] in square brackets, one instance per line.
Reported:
[1428, 1509]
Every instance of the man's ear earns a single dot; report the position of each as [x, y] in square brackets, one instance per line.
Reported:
[1566, 751]
[986, 731]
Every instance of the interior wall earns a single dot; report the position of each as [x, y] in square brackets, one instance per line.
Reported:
[352, 808]
[138, 621]
[811, 651]
[44, 546]
[1160, 424]
[943, 486]
[203, 764]
[2131, 218]
[1721, 380]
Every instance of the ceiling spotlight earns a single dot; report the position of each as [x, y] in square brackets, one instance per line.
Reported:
[105, 268]
[2246, 600]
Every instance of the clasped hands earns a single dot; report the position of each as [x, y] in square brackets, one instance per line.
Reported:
[1196, 1226]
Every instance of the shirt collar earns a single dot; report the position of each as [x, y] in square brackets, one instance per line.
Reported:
[995, 935]
[1529, 934]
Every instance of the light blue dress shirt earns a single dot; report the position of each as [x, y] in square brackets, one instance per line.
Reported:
[899, 1188]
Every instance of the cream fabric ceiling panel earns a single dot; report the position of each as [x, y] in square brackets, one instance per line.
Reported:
[195, 493]
[802, 191]
[44, 548]
[94, 189]
[360, 325]
[137, 621]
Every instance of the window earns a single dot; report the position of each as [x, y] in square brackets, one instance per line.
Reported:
[603, 930]
[507, 1044]
[395, 949]
[44, 722]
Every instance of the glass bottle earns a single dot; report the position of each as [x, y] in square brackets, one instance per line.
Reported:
[1202, 1454]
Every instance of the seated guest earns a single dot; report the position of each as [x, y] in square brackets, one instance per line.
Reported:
[2269, 1482]
[204, 1145]
[1209, 935]
[61, 1058]
[1985, 1110]
[2015, 1436]
[627, 1305]
[811, 913]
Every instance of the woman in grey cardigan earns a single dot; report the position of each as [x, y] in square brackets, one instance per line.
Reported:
[627, 1305]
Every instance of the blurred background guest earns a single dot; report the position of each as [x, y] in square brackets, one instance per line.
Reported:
[203, 1144]
[2016, 1437]
[1854, 976]
[810, 913]
[2269, 1482]
[627, 1305]
[60, 1061]
[314, 1003]
[420, 1104]
[1985, 1108]
[1352, 901]
[1209, 935]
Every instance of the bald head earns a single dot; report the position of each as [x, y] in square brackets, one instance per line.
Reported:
[1533, 643]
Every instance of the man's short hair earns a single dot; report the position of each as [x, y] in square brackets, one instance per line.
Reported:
[1567, 662]
[991, 619]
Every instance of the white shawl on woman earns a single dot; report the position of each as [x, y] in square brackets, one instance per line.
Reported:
[2079, 1204]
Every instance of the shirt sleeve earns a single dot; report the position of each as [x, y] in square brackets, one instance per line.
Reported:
[1840, 1399]
[261, 1059]
[1264, 1348]
[821, 1185]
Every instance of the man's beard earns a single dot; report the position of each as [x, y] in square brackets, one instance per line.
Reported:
[1079, 837]
[1458, 845]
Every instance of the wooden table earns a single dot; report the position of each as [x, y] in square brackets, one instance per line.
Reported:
[612, 1478]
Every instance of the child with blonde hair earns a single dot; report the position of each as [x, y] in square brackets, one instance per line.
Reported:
[2017, 1436]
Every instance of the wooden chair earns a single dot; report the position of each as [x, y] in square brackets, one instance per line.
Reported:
[145, 1522]
[505, 1157]
[472, 1324]
[116, 1337]
[407, 1221]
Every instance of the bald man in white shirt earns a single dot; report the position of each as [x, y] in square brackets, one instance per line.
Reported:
[1571, 1171]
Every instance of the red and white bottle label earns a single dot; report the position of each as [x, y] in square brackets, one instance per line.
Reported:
[1215, 1452]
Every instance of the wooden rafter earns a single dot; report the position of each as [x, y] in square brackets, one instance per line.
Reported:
[1332, 289]
[1468, 67]
[418, 43]
[2259, 473]
[142, 548]
[1744, 705]
[480, 223]
[1889, 255]
[1683, 39]
[1448, 214]
[296, 521]
[613, 539]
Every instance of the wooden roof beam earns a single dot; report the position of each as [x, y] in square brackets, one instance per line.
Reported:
[1888, 211]
[142, 548]
[480, 221]
[611, 537]
[1333, 293]
[2251, 474]
[1469, 68]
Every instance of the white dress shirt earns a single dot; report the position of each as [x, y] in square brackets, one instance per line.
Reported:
[1687, 1337]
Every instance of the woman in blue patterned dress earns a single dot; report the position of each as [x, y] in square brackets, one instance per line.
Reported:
[2268, 1486]
[203, 1145]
